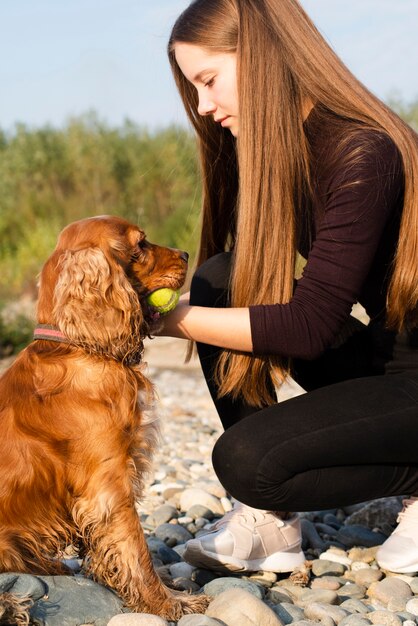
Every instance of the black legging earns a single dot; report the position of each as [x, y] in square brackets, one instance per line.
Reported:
[353, 437]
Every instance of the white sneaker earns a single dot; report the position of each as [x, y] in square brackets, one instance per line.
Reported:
[399, 553]
[248, 540]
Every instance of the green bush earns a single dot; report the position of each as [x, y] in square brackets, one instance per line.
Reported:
[50, 177]
[15, 333]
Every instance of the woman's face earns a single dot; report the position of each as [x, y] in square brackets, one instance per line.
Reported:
[215, 79]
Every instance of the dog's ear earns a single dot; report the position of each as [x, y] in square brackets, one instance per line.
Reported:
[95, 305]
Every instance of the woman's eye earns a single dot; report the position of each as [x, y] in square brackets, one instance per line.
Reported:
[210, 82]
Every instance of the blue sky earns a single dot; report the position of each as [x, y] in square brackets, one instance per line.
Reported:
[61, 58]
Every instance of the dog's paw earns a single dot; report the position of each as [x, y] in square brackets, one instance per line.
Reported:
[183, 604]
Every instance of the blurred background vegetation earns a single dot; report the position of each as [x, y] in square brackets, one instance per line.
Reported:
[50, 177]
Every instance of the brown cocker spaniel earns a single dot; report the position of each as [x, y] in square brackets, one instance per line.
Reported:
[74, 444]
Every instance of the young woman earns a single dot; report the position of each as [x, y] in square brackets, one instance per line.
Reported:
[298, 160]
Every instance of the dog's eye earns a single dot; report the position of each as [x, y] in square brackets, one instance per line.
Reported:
[138, 254]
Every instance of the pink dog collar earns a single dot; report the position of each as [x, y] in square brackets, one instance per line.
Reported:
[46, 331]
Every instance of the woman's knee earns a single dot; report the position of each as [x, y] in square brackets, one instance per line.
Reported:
[237, 461]
[210, 282]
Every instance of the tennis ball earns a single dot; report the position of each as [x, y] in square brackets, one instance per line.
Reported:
[164, 300]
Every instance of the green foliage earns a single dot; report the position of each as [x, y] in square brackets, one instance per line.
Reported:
[15, 333]
[50, 177]
[407, 111]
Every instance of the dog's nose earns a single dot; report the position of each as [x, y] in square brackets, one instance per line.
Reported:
[184, 256]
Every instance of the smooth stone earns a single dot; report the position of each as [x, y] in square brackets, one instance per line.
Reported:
[277, 595]
[355, 620]
[227, 504]
[288, 612]
[367, 555]
[357, 535]
[406, 616]
[323, 596]
[357, 565]
[305, 622]
[376, 513]
[351, 590]
[166, 555]
[197, 511]
[172, 532]
[203, 576]
[161, 515]
[185, 584]
[326, 529]
[326, 582]
[237, 607]
[137, 619]
[310, 536]
[74, 600]
[388, 588]
[23, 585]
[353, 605]
[319, 611]
[220, 585]
[396, 604]
[409, 622]
[336, 556]
[412, 606]
[267, 579]
[322, 567]
[192, 496]
[198, 620]
[214, 488]
[296, 591]
[387, 618]
[171, 491]
[367, 576]
[414, 585]
[181, 570]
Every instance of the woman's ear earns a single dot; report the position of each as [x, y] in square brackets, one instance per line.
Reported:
[95, 305]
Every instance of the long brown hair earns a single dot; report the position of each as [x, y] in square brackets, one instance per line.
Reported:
[252, 186]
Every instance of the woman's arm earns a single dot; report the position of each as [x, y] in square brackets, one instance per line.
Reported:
[226, 328]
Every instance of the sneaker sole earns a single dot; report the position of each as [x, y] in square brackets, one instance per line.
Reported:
[278, 562]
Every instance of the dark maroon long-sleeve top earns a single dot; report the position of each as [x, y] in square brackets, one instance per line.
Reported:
[356, 208]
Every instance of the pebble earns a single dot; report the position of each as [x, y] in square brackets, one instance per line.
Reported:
[327, 582]
[386, 618]
[172, 534]
[192, 496]
[237, 607]
[367, 576]
[310, 596]
[412, 606]
[137, 619]
[288, 612]
[355, 620]
[220, 585]
[336, 556]
[390, 588]
[198, 620]
[322, 567]
[318, 611]
[357, 535]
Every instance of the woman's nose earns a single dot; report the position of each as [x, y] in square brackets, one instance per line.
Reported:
[205, 106]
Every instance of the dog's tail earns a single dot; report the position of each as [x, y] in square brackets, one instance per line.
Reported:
[14, 609]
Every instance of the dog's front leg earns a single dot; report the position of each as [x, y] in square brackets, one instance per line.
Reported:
[117, 552]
